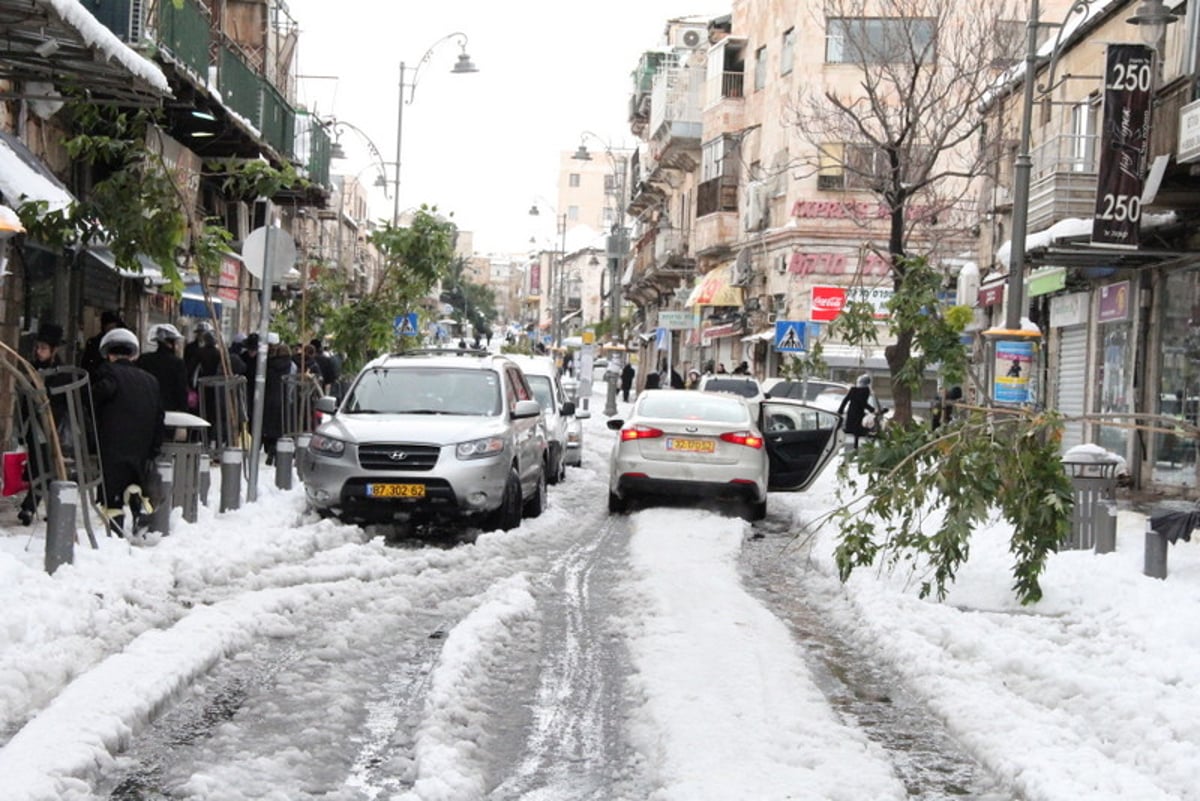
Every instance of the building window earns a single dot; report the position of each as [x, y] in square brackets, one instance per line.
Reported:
[1085, 120]
[858, 40]
[573, 180]
[719, 158]
[760, 68]
[573, 213]
[787, 51]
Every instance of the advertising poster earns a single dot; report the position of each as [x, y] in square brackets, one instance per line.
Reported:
[1124, 139]
[1014, 372]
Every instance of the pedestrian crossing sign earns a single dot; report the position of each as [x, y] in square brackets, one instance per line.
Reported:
[790, 336]
[406, 324]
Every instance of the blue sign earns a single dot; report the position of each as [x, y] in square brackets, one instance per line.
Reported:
[662, 339]
[790, 336]
[405, 325]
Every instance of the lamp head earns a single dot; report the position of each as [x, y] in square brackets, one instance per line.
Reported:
[533, 211]
[464, 64]
[1152, 19]
[336, 151]
[581, 153]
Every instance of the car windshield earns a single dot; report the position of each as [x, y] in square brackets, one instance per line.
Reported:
[543, 391]
[745, 387]
[693, 406]
[425, 390]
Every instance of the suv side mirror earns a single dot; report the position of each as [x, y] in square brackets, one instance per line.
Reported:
[568, 409]
[526, 408]
[326, 404]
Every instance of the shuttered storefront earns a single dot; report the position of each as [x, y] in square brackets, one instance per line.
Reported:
[1072, 382]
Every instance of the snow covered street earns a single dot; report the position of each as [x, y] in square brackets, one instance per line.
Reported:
[267, 654]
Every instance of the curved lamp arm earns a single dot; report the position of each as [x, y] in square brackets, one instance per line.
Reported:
[463, 64]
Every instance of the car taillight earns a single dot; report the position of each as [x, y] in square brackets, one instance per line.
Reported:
[742, 438]
[640, 432]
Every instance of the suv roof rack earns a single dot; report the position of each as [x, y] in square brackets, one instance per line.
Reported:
[443, 352]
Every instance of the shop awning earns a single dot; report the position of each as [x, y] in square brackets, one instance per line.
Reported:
[191, 304]
[766, 335]
[24, 177]
[716, 289]
[150, 271]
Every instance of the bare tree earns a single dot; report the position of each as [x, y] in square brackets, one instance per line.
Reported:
[908, 131]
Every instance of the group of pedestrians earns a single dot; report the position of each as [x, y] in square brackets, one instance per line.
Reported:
[131, 390]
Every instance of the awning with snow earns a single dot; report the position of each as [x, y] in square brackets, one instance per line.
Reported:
[49, 43]
[24, 177]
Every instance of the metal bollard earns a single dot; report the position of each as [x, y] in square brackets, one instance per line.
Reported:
[1156, 554]
[1104, 523]
[302, 441]
[205, 480]
[160, 518]
[231, 479]
[285, 449]
[60, 524]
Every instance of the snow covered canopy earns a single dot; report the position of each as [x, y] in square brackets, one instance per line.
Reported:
[51, 44]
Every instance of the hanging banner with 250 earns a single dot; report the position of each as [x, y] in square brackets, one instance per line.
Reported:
[1124, 139]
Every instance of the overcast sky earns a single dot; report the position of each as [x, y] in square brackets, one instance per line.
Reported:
[483, 146]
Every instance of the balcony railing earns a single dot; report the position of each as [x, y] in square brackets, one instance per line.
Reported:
[185, 31]
[1063, 179]
[278, 124]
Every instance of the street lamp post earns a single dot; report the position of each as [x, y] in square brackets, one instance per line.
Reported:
[1152, 17]
[618, 249]
[558, 267]
[462, 65]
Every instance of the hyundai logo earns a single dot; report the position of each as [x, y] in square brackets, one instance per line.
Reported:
[397, 456]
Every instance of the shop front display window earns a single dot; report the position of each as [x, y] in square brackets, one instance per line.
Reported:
[1176, 446]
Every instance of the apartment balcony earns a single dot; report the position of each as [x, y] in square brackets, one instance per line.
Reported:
[725, 107]
[715, 234]
[247, 116]
[676, 121]
[716, 195]
[1062, 182]
[672, 253]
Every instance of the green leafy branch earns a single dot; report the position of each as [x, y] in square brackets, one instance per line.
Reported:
[987, 461]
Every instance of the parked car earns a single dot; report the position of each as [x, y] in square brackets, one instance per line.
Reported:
[431, 435]
[713, 446]
[806, 389]
[564, 429]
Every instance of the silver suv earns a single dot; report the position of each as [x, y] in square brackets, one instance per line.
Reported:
[429, 436]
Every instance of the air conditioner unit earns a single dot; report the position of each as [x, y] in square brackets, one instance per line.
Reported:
[772, 317]
[688, 38]
[757, 208]
[827, 182]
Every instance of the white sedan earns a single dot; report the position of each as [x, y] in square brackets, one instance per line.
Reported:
[709, 446]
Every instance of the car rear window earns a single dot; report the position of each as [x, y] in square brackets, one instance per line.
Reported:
[734, 386]
[683, 405]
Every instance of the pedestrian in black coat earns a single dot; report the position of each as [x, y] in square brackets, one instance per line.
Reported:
[627, 374]
[855, 406]
[91, 358]
[166, 365]
[39, 459]
[129, 426]
[279, 364]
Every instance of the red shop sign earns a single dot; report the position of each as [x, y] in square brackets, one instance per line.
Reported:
[827, 303]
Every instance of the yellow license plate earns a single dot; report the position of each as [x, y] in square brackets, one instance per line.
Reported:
[691, 445]
[395, 490]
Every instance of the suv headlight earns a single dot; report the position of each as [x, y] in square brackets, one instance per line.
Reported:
[479, 448]
[326, 446]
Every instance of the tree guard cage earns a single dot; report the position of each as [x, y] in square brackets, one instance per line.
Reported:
[60, 449]
[300, 394]
[223, 405]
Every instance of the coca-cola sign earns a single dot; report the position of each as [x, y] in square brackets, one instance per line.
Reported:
[828, 301]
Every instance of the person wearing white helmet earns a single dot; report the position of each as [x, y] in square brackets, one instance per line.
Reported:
[129, 429]
[165, 364]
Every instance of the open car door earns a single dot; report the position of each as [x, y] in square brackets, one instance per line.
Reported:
[801, 440]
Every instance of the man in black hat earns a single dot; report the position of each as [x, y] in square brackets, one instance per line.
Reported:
[91, 358]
